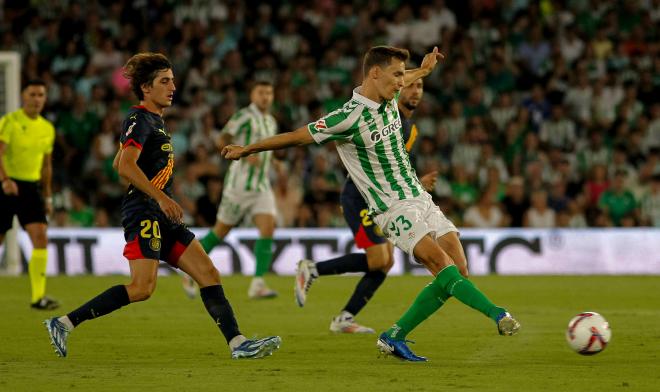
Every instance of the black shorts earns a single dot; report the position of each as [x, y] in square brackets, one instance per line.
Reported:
[150, 235]
[29, 206]
[356, 212]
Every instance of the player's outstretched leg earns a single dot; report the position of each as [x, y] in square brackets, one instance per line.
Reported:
[398, 348]
[197, 264]
[58, 333]
[106, 302]
[379, 262]
[429, 300]
[306, 273]
[449, 280]
[256, 348]
[365, 289]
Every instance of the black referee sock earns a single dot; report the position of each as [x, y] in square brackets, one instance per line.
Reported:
[108, 301]
[220, 310]
[352, 262]
[364, 290]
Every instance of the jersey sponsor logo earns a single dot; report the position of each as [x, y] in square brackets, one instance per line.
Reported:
[166, 147]
[377, 136]
[130, 129]
[320, 124]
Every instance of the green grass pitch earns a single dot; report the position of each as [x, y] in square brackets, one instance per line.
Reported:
[169, 343]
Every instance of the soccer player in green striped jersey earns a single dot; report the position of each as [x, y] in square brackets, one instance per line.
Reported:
[367, 130]
[247, 190]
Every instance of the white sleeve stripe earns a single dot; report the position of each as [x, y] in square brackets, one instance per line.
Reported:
[346, 124]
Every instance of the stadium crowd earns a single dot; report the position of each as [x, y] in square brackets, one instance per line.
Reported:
[544, 114]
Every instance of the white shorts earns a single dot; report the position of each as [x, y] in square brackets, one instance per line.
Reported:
[408, 221]
[237, 205]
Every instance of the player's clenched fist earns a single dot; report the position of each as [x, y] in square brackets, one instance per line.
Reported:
[233, 152]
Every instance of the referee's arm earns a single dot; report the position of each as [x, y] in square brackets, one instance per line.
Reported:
[9, 187]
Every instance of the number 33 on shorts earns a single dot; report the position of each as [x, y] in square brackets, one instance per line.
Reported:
[399, 224]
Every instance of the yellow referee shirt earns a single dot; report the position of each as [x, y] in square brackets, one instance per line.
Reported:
[28, 140]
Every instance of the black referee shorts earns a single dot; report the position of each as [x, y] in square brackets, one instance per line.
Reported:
[28, 206]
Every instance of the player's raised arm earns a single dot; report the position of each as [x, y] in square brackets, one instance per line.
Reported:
[299, 137]
[428, 64]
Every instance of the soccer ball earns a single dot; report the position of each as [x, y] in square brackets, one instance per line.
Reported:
[588, 333]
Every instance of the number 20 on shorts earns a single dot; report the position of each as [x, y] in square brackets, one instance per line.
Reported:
[149, 228]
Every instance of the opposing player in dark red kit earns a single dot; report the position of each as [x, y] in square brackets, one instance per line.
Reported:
[152, 221]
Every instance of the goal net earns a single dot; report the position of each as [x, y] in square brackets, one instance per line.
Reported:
[10, 82]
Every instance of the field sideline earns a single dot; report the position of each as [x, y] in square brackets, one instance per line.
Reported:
[169, 342]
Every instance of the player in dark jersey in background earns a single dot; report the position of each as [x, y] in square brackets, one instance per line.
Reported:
[378, 259]
[152, 221]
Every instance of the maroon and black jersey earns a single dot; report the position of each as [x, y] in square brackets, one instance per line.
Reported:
[146, 131]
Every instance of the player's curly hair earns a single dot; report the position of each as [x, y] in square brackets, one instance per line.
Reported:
[142, 69]
[382, 56]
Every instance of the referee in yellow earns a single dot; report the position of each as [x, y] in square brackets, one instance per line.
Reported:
[26, 145]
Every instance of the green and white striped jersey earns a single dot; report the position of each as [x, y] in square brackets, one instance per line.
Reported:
[246, 126]
[370, 143]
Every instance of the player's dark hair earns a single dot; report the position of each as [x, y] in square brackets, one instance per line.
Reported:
[142, 69]
[261, 82]
[33, 82]
[382, 56]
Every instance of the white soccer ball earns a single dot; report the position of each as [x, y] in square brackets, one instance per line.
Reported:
[588, 333]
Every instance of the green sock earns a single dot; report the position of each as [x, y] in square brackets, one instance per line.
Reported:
[429, 300]
[209, 241]
[463, 290]
[263, 251]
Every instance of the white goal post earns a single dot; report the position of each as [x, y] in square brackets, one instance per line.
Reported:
[10, 88]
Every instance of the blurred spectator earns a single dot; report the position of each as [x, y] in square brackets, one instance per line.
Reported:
[596, 184]
[539, 215]
[454, 123]
[537, 105]
[76, 129]
[484, 214]
[535, 51]
[206, 205]
[558, 131]
[515, 202]
[462, 190]
[617, 201]
[557, 200]
[80, 214]
[650, 204]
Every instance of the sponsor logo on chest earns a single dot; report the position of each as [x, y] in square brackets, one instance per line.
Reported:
[378, 135]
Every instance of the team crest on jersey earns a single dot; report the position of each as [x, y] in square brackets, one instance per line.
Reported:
[154, 244]
[130, 129]
[320, 124]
